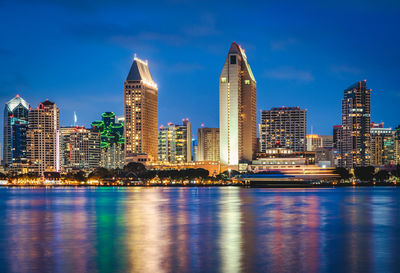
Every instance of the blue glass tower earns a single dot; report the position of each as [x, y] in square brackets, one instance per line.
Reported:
[15, 127]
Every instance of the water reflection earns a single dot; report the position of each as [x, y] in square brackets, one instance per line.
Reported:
[148, 231]
[230, 235]
[199, 230]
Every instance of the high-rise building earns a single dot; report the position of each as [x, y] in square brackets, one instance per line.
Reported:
[79, 148]
[319, 141]
[194, 149]
[112, 140]
[313, 142]
[141, 111]
[337, 140]
[174, 143]
[356, 117]
[337, 136]
[237, 109]
[397, 145]
[208, 144]
[43, 139]
[15, 126]
[322, 145]
[327, 141]
[382, 145]
[284, 126]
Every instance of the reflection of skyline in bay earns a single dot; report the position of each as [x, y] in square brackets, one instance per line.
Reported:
[199, 230]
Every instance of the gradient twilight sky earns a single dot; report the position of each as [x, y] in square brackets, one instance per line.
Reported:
[302, 53]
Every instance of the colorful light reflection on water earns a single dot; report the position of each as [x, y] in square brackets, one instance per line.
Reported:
[199, 230]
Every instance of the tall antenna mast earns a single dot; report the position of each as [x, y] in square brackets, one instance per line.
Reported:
[75, 119]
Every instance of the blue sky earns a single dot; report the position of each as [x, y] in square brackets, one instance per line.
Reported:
[302, 53]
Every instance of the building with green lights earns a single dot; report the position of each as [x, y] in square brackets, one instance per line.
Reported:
[111, 140]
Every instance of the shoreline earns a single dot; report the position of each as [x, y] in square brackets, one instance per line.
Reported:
[271, 185]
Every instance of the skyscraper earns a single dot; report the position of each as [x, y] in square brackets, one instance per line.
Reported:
[313, 142]
[141, 111]
[319, 141]
[112, 140]
[237, 108]
[285, 126]
[397, 145]
[337, 136]
[79, 148]
[42, 138]
[15, 126]
[356, 117]
[174, 143]
[208, 144]
[382, 145]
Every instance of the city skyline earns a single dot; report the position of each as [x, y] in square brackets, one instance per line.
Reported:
[199, 136]
[294, 60]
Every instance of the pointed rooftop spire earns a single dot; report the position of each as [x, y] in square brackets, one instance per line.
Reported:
[17, 100]
[235, 49]
[140, 72]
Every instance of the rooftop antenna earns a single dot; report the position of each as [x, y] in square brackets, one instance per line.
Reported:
[75, 119]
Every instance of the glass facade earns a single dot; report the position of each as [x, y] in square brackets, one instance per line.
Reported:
[16, 113]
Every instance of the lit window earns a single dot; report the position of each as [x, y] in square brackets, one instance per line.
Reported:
[223, 79]
[246, 81]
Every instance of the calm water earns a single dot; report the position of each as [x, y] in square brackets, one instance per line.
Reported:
[199, 230]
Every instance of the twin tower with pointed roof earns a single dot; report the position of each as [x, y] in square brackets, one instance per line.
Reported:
[237, 108]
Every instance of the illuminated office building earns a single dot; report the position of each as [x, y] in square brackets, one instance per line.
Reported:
[174, 143]
[382, 145]
[15, 128]
[322, 145]
[208, 144]
[313, 142]
[319, 141]
[79, 148]
[337, 136]
[42, 138]
[327, 141]
[237, 109]
[285, 126]
[194, 149]
[141, 111]
[112, 140]
[355, 132]
[397, 145]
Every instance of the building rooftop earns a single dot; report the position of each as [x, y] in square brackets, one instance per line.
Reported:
[236, 49]
[17, 100]
[140, 72]
[47, 103]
